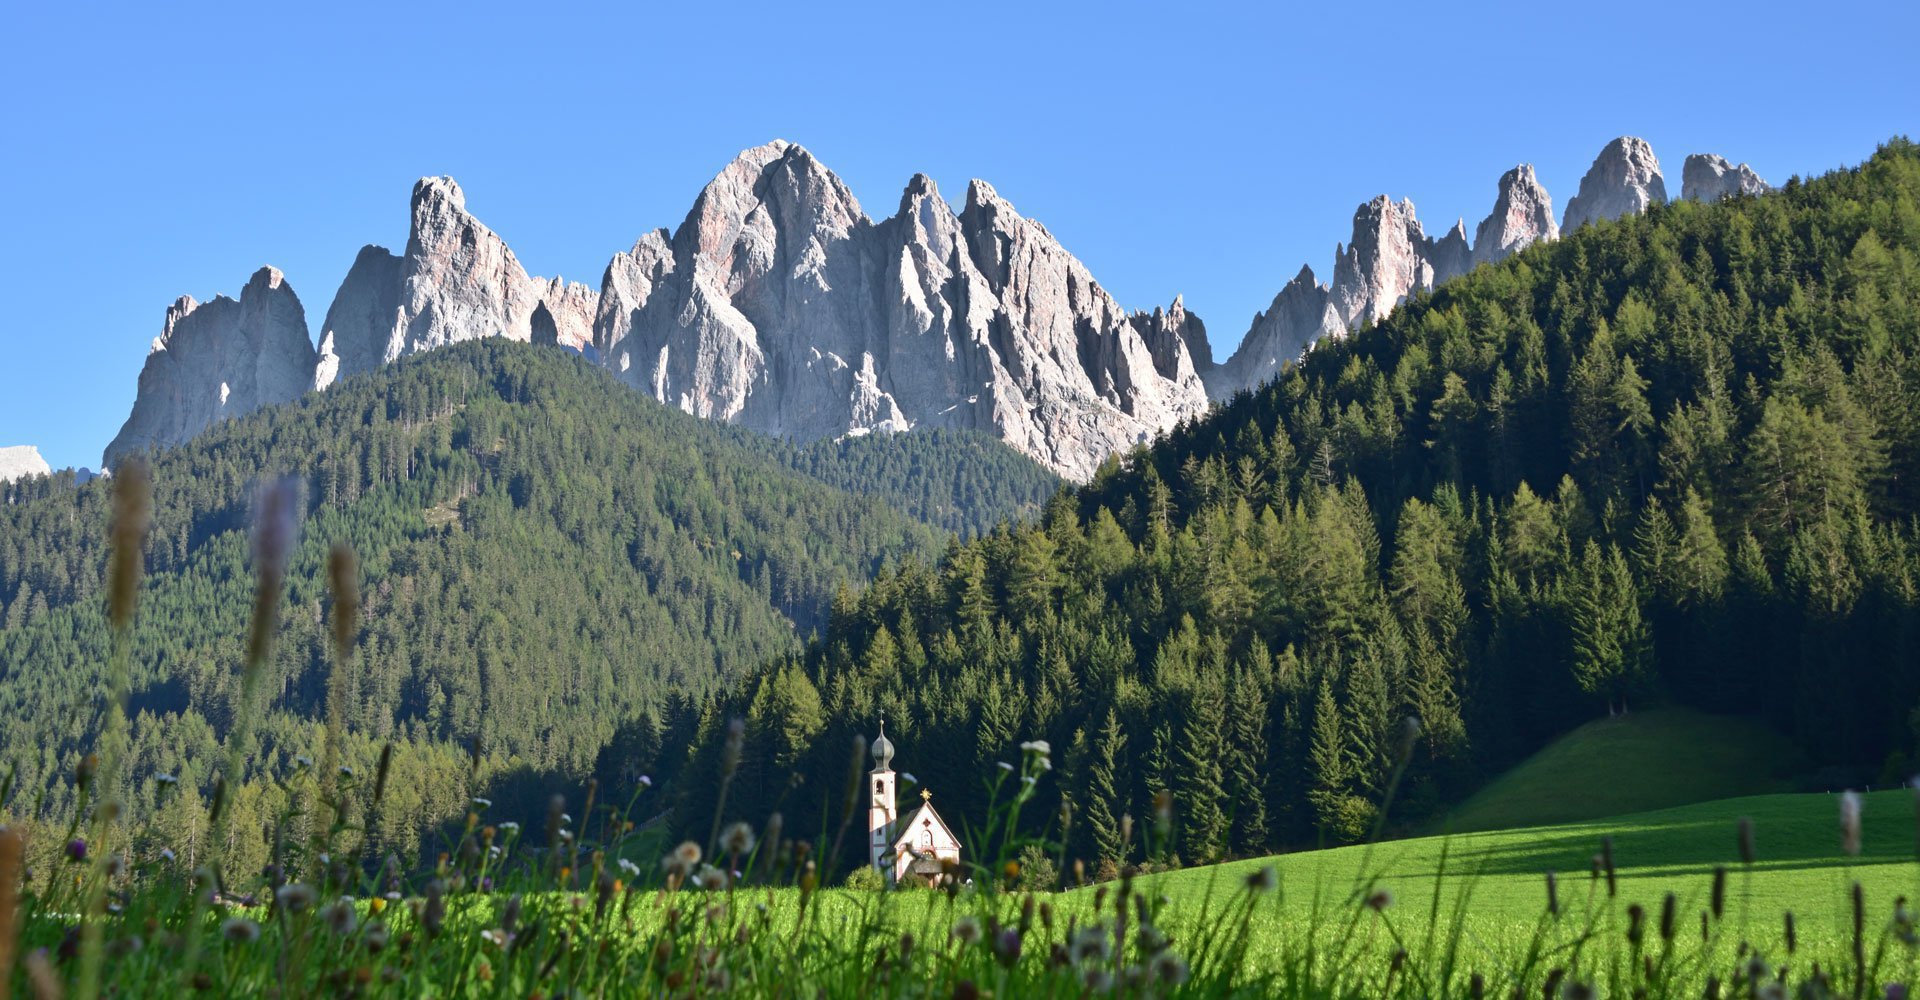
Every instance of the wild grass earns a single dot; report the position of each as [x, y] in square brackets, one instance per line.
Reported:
[1689, 902]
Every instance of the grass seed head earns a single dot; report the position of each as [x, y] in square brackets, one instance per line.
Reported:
[132, 513]
[343, 576]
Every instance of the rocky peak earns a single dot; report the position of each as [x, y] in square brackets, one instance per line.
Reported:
[216, 360]
[1708, 177]
[1171, 333]
[457, 281]
[780, 306]
[1624, 180]
[1451, 254]
[20, 461]
[1300, 314]
[1387, 260]
[1522, 215]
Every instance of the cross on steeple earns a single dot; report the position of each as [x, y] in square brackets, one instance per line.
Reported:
[926, 795]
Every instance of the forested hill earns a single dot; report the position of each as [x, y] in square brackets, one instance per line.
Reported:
[1675, 457]
[545, 553]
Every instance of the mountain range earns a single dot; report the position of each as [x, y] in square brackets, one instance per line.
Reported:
[779, 305]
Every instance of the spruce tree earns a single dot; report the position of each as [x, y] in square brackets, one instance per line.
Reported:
[1201, 778]
[1106, 778]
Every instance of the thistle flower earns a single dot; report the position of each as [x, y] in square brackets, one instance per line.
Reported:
[1006, 946]
[1850, 822]
[1380, 899]
[76, 850]
[239, 930]
[375, 938]
[966, 930]
[295, 896]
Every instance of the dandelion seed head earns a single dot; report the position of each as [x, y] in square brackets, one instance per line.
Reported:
[737, 839]
[296, 896]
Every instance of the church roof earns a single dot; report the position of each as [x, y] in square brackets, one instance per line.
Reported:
[918, 820]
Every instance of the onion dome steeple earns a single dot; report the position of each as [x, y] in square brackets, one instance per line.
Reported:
[883, 749]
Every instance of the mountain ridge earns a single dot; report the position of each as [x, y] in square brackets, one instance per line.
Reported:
[780, 305]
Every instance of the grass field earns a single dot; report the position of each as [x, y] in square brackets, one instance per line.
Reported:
[1668, 756]
[1461, 906]
[1799, 863]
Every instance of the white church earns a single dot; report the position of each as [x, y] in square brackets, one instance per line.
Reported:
[923, 844]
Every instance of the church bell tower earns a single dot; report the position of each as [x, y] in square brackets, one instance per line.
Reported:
[881, 811]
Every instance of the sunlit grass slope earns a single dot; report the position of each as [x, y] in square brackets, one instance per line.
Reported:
[1499, 877]
[1633, 763]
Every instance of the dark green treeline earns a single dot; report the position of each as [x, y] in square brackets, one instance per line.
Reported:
[1674, 457]
[545, 555]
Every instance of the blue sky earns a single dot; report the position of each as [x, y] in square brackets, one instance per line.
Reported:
[164, 149]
